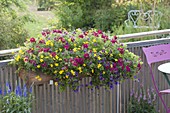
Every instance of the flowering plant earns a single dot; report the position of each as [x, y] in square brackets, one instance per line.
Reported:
[18, 101]
[142, 101]
[70, 56]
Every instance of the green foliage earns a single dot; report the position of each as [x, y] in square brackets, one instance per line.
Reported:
[85, 14]
[70, 15]
[11, 33]
[11, 103]
[142, 101]
[13, 16]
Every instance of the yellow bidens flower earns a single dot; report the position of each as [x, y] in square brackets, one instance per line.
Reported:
[99, 65]
[56, 57]
[61, 72]
[95, 55]
[80, 70]
[56, 64]
[41, 60]
[51, 65]
[72, 72]
[99, 58]
[94, 50]
[17, 58]
[38, 78]
[67, 76]
[60, 49]
[56, 83]
[21, 52]
[94, 40]
[75, 49]
[116, 60]
[92, 70]
[38, 66]
[42, 56]
[104, 72]
[55, 72]
[84, 65]
[48, 42]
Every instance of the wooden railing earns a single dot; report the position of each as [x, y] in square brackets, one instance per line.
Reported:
[49, 100]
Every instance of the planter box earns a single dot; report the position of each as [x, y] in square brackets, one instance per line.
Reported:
[30, 77]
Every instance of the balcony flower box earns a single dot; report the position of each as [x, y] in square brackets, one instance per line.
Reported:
[68, 57]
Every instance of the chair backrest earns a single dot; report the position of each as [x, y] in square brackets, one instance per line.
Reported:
[140, 19]
[157, 53]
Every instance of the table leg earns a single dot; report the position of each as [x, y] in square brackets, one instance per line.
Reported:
[167, 79]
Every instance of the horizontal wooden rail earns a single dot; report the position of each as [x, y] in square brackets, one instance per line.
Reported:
[8, 52]
[144, 34]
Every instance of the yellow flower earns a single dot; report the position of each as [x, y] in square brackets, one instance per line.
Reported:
[84, 65]
[75, 49]
[67, 76]
[86, 42]
[94, 40]
[92, 70]
[56, 51]
[95, 55]
[99, 58]
[51, 44]
[60, 49]
[48, 42]
[72, 72]
[41, 60]
[56, 57]
[111, 55]
[39, 79]
[17, 58]
[56, 64]
[60, 59]
[38, 66]
[55, 72]
[41, 56]
[94, 50]
[80, 70]
[111, 65]
[56, 83]
[116, 60]
[75, 45]
[61, 72]
[46, 57]
[104, 72]
[99, 65]
[20, 51]
[51, 65]
[69, 39]
[78, 48]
